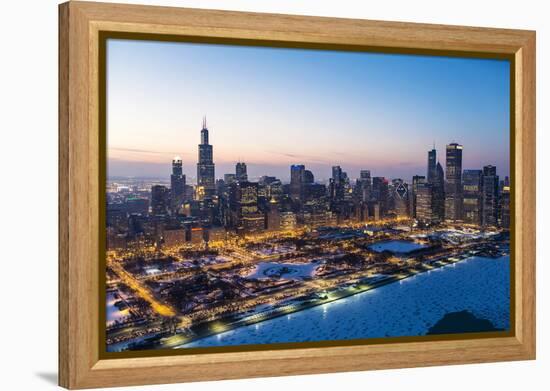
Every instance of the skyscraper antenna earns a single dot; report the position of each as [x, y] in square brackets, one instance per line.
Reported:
[204, 122]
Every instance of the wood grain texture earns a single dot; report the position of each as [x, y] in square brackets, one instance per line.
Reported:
[526, 212]
[79, 230]
[64, 353]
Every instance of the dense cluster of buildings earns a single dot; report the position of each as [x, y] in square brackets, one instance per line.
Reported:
[476, 197]
[213, 208]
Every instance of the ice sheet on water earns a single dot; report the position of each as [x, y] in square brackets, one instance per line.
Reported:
[410, 308]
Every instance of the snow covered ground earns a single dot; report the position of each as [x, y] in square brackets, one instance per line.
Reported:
[113, 313]
[396, 246]
[406, 308]
[280, 249]
[463, 235]
[284, 270]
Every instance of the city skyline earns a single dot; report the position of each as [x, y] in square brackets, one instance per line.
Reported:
[254, 171]
[188, 263]
[314, 177]
[353, 133]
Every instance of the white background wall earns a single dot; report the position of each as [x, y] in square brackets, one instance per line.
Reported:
[28, 214]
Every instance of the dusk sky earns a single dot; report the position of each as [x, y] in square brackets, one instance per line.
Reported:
[275, 107]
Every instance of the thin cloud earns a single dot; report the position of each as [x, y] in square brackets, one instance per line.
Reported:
[136, 150]
[304, 158]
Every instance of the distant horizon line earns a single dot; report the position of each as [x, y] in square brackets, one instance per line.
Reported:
[167, 177]
[286, 178]
[279, 166]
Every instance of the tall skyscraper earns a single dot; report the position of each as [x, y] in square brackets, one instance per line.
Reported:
[247, 197]
[425, 210]
[504, 199]
[453, 182]
[159, 200]
[346, 187]
[337, 173]
[297, 173]
[365, 183]
[177, 183]
[273, 217]
[380, 193]
[205, 167]
[471, 210]
[416, 181]
[489, 202]
[436, 178]
[438, 190]
[400, 197]
[308, 177]
[432, 161]
[250, 219]
[272, 188]
[338, 184]
[240, 172]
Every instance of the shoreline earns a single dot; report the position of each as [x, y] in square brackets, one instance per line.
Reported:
[220, 326]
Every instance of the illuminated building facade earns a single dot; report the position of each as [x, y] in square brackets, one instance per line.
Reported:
[364, 186]
[297, 180]
[273, 217]
[425, 210]
[288, 221]
[472, 196]
[400, 196]
[453, 182]
[489, 196]
[177, 184]
[505, 205]
[249, 218]
[416, 181]
[205, 167]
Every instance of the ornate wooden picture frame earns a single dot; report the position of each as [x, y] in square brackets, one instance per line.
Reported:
[83, 30]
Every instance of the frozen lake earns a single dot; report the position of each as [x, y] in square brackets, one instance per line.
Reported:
[396, 246]
[406, 308]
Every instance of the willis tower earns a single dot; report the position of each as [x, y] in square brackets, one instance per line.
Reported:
[206, 184]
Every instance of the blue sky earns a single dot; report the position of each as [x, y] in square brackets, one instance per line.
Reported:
[275, 107]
